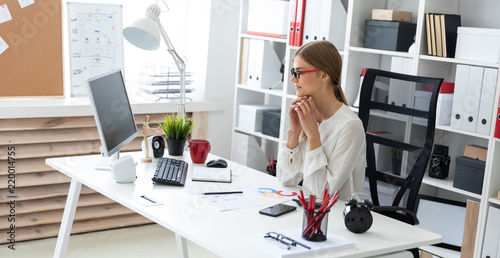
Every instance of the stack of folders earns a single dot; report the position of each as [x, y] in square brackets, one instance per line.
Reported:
[441, 34]
[317, 20]
[473, 100]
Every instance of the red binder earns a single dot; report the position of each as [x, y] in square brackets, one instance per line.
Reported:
[497, 125]
[299, 21]
[293, 15]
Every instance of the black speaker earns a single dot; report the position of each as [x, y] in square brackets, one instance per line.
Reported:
[156, 146]
[439, 162]
[357, 215]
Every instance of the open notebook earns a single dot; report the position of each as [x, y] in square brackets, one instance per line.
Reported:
[212, 174]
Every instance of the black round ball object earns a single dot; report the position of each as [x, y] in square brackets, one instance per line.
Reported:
[357, 216]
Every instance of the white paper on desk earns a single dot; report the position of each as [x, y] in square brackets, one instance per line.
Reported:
[267, 192]
[145, 200]
[332, 243]
[5, 13]
[224, 202]
[3, 45]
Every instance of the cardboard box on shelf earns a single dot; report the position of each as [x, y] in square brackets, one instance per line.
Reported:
[476, 152]
[391, 15]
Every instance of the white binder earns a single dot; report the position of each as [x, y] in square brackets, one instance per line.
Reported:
[263, 65]
[395, 85]
[333, 23]
[487, 101]
[472, 100]
[312, 18]
[325, 20]
[492, 234]
[407, 88]
[252, 59]
[459, 95]
[401, 92]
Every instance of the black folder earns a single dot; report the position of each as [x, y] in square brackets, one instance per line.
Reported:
[449, 26]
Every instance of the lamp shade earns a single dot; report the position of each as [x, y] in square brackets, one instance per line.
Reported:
[143, 33]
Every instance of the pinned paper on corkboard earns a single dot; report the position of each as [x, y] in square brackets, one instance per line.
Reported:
[31, 61]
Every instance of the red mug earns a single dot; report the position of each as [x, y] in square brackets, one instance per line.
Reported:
[199, 149]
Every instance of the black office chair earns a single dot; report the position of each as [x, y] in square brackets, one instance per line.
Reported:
[392, 127]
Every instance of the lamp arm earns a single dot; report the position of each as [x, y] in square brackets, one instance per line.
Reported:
[181, 66]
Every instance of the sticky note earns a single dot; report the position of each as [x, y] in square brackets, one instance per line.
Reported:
[4, 13]
[24, 3]
[3, 45]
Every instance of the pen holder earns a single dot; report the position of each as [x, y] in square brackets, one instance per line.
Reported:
[272, 171]
[314, 225]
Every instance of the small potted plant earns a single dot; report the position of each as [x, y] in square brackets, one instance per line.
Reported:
[176, 130]
[396, 155]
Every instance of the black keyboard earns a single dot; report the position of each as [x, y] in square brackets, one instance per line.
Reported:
[170, 172]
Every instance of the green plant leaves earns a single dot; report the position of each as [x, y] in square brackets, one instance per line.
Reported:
[176, 127]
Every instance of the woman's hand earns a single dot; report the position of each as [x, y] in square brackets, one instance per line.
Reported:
[307, 112]
[295, 125]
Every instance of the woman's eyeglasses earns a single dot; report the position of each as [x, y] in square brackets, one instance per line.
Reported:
[297, 74]
[286, 241]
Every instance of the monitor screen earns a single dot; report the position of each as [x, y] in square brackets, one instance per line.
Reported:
[112, 112]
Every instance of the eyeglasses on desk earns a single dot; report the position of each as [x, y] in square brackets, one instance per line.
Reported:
[284, 240]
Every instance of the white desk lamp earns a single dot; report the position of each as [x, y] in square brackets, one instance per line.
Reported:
[145, 33]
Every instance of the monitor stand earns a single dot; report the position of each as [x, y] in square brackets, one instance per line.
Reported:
[105, 163]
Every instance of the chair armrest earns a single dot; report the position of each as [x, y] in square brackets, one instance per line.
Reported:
[399, 213]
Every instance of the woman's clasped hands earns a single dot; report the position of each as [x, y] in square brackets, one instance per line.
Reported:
[303, 115]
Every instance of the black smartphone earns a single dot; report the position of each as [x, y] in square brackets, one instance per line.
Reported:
[277, 210]
[317, 204]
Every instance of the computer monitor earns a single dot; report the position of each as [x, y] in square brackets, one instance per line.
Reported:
[113, 114]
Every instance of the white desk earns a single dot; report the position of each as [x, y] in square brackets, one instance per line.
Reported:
[221, 232]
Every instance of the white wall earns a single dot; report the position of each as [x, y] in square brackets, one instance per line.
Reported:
[221, 72]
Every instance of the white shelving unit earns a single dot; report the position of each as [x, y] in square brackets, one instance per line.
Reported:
[481, 14]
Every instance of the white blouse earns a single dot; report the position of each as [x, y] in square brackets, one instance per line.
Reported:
[338, 164]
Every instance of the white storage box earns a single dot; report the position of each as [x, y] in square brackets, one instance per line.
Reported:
[478, 44]
[268, 18]
[250, 116]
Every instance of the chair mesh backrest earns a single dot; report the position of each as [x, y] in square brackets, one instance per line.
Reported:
[398, 113]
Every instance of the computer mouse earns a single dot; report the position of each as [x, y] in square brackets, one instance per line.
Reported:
[217, 163]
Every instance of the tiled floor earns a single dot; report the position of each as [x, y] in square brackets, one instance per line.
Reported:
[142, 241]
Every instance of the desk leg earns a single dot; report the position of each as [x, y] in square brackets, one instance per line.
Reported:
[67, 219]
[181, 246]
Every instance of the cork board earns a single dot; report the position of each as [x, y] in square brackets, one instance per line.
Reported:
[31, 48]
